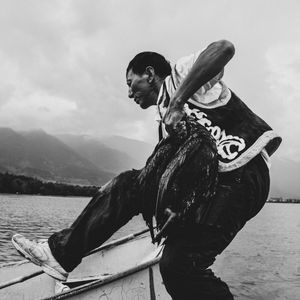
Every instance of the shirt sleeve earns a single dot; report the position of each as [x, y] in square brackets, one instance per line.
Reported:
[184, 65]
[212, 94]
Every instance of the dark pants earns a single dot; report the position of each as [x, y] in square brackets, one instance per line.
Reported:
[187, 254]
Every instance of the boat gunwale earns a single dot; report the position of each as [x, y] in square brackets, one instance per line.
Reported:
[108, 245]
[35, 273]
[117, 242]
[101, 282]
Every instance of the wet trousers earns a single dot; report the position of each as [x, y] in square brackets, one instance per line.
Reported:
[189, 252]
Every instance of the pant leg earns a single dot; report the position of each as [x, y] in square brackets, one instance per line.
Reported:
[111, 208]
[119, 201]
[185, 266]
[189, 254]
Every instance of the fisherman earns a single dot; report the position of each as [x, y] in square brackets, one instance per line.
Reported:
[190, 89]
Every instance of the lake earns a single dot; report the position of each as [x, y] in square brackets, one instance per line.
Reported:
[262, 263]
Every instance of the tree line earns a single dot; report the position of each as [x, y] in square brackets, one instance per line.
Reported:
[19, 184]
[283, 200]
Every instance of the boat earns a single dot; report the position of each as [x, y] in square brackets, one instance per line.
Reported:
[126, 268]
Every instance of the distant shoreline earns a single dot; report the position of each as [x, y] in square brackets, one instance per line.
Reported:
[282, 200]
[23, 185]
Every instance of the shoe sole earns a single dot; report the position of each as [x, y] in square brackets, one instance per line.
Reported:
[48, 270]
[25, 254]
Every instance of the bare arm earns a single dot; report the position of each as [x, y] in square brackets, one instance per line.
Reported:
[209, 63]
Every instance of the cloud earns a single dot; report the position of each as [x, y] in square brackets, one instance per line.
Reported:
[36, 110]
[67, 59]
[283, 80]
[62, 69]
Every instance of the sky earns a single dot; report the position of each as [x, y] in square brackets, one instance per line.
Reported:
[62, 62]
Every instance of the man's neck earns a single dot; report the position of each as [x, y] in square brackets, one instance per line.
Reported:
[158, 83]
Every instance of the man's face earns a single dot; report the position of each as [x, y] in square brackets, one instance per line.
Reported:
[140, 89]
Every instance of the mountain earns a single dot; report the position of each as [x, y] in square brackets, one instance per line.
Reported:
[100, 154]
[133, 148]
[93, 161]
[38, 154]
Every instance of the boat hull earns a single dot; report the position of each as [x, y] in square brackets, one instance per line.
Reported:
[124, 269]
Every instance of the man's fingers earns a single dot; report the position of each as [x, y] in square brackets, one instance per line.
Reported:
[178, 129]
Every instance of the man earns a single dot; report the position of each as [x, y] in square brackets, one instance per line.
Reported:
[192, 87]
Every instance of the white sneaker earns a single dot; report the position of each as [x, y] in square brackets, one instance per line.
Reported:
[40, 254]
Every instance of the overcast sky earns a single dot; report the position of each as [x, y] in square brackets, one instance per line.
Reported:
[62, 63]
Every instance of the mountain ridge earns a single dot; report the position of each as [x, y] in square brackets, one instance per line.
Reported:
[87, 160]
[38, 154]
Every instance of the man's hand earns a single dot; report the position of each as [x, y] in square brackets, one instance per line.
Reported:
[173, 120]
[209, 64]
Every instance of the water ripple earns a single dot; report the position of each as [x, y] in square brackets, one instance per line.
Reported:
[262, 263]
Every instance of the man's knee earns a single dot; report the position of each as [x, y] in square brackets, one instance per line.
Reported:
[122, 192]
[186, 275]
[125, 183]
[185, 258]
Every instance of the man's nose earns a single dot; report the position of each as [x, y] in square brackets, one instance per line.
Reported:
[130, 93]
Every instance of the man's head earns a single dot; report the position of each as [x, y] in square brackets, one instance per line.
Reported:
[145, 74]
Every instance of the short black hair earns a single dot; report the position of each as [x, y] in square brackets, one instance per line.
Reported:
[144, 59]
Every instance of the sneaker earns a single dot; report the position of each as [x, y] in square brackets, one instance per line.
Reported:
[40, 254]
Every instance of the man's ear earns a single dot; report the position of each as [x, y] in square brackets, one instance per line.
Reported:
[150, 72]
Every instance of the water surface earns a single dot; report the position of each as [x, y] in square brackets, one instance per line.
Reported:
[262, 263]
[39, 216]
